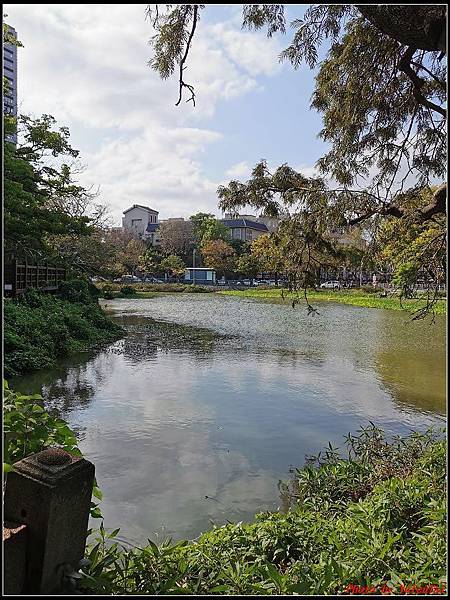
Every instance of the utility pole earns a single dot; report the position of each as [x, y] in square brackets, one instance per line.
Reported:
[193, 267]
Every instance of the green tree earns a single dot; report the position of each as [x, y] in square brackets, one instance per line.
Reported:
[381, 89]
[200, 221]
[248, 266]
[173, 266]
[207, 227]
[36, 192]
[240, 246]
[150, 261]
[414, 250]
[215, 230]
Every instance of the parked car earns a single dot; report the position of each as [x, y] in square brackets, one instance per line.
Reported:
[222, 282]
[331, 285]
[130, 279]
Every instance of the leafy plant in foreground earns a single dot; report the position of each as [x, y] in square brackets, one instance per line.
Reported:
[28, 428]
[381, 520]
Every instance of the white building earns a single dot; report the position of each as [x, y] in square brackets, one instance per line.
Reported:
[142, 221]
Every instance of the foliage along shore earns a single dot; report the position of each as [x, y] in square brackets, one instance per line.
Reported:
[354, 297]
[374, 518]
[39, 327]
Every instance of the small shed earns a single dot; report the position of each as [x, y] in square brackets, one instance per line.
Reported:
[200, 275]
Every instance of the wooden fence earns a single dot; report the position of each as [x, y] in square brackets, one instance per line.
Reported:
[20, 276]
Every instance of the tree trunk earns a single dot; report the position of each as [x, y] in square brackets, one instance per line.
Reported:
[418, 26]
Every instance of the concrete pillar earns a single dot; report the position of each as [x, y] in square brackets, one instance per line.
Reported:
[50, 492]
[14, 548]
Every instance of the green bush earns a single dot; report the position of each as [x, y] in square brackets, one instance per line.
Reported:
[127, 290]
[78, 290]
[107, 292]
[377, 517]
[369, 289]
[28, 429]
[196, 289]
[39, 328]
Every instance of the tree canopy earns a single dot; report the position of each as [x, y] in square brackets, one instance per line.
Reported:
[41, 198]
[380, 87]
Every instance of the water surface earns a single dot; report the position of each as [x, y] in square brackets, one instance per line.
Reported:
[194, 417]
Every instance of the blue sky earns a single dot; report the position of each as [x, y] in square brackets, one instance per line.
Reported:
[86, 65]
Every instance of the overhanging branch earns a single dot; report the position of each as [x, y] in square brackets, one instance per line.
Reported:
[418, 83]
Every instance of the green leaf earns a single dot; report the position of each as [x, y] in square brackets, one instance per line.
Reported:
[97, 493]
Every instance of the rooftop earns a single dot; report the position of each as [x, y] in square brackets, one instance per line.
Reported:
[141, 206]
[232, 223]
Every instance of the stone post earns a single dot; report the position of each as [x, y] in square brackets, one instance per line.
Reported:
[50, 492]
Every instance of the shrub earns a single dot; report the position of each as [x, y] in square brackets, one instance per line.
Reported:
[78, 290]
[108, 292]
[39, 328]
[127, 290]
[196, 289]
[20, 439]
[378, 517]
[369, 289]
[28, 429]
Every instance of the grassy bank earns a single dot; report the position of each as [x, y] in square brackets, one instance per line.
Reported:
[354, 297]
[376, 517]
[39, 328]
[149, 290]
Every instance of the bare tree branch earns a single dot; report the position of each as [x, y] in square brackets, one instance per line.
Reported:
[183, 61]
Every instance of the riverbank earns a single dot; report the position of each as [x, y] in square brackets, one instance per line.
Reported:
[149, 290]
[377, 520]
[353, 297]
[40, 328]
[371, 518]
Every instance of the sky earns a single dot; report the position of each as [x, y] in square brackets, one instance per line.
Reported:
[86, 64]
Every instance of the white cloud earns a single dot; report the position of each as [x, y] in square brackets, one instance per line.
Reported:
[240, 170]
[87, 66]
[254, 52]
[307, 170]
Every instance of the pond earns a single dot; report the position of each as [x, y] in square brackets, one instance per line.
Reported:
[194, 417]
